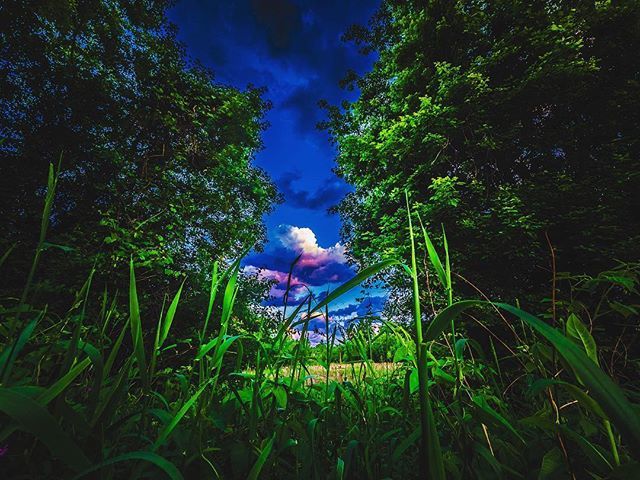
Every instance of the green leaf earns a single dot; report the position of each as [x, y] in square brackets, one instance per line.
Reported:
[340, 469]
[168, 319]
[443, 319]
[32, 417]
[280, 394]
[161, 462]
[583, 399]
[44, 397]
[578, 330]
[136, 326]
[168, 429]
[433, 256]
[11, 352]
[262, 458]
[551, 463]
[405, 444]
[58, 387]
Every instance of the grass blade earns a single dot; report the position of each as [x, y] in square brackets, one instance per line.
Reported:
[166, 432]
[32, 417]
[136, 326]
[357, 280]
[165, 465]
[264, 454]
[609, 396]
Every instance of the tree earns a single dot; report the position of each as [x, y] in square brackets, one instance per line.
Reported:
[155, 156]
[508, 122]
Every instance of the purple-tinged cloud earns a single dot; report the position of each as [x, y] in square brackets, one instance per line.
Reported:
[318, 266]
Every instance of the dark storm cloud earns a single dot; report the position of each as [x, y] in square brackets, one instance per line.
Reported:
[370, 305]
[281, 20]
[278, 43]
[327, 195]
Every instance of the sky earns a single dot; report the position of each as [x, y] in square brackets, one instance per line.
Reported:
[294, 49]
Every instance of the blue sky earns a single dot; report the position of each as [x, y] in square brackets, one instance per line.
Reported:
[293, 48]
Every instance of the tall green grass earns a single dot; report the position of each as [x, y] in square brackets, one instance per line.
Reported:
[107, 392]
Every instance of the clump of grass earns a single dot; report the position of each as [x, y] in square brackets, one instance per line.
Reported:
[92, 394]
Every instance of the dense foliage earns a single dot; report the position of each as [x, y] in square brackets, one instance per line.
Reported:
[155, 157]
[92, 394]
[513, 123]
[509, 122]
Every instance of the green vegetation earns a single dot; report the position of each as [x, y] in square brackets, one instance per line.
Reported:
[493, 149]
[511, 122]
[93, 394]
[156, 157]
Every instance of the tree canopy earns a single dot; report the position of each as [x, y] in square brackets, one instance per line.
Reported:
[155, 156]
[507, 122]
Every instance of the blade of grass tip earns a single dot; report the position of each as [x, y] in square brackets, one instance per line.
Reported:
[52, 182]
[35, 419]
[136, 326]
[11, 352]
[70, 356]
[171, 313]
[433, 256]
[448, 285]
[288, 322]
[6, 254]
[227, 307]
[155, 351]
[285, 297]
[357, 280]
[165, 465]
[432, 464]
[166, 432]
[212, 296]
[115, 349]
[109, 402]
[254, 474]
[340, 469]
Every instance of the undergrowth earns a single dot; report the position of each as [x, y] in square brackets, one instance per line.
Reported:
[479, 389]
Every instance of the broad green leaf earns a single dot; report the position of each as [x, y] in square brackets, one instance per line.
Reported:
[443, 319]
[551, 463]
[608, 395]
[280, 394]
[578, 330]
